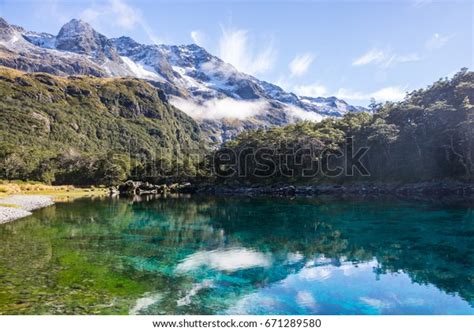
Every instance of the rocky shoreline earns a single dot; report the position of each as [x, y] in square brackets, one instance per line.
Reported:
[446, 190]
[455, 190]
[19, 206]
[132, 188]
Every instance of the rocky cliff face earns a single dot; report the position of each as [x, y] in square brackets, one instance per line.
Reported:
[224, 100]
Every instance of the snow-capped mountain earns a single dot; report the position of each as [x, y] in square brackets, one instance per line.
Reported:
[224, 100]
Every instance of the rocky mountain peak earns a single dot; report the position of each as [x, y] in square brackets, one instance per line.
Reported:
[3, 24]
[6, 30]
[79, 37]
[76, 27]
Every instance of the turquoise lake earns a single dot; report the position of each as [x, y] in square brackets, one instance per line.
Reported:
[239, 255]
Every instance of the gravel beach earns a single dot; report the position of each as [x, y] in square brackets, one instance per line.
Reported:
[23, 205]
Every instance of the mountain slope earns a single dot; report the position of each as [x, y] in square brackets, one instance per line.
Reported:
[224, 100]
[45, 118]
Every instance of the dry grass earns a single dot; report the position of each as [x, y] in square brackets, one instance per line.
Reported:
[9, 205]
[20, 187]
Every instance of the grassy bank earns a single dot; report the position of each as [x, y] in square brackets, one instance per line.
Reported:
[57, 192]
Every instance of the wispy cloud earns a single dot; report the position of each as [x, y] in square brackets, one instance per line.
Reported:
[311, 90]
[118, 13]
[390, 93]
[220, 108]
[198, 37]
[384, 58]
[372, 56]
[296, 113]
[236, 48]
[436, 41]
[51, 9]
[300, 64]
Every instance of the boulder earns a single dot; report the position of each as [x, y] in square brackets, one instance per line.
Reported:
[129, 188]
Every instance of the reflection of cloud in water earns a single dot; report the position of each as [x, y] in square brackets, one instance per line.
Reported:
[305, 298]
[292, 258]
[321, 268]
[145, 302]
[186, 300]
[324, 287]
[225, 260]
[350, 269]
[315, 273]
[376, 303]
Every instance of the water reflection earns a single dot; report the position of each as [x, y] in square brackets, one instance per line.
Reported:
[239, 255]
[331, 290]
[229, 260]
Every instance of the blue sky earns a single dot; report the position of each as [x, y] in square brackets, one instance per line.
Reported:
[352, 49]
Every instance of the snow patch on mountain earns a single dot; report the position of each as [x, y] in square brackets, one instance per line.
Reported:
[140, 70]
[44, 40]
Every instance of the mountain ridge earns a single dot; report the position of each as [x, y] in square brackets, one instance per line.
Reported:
[224, 100]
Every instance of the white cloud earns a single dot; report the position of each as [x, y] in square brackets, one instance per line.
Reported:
[300, 64]
[220, 108]
[372, 56]
[198, 37]
[296, 113]
[126, 16]
[118, 13]
[51, 9]
[390, 93]
[384, 58]
[89, 15]
[115, 12]
[236, 49]
[311, 90]
[228, 108]
[436, 41]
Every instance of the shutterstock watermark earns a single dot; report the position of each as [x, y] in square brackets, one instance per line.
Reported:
[285, 160]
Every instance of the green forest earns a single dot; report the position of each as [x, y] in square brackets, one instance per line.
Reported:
[93, 131]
